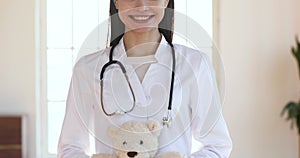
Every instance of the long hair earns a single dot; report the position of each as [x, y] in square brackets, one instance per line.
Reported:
[117, 30]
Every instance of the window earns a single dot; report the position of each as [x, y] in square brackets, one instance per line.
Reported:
[66, 28]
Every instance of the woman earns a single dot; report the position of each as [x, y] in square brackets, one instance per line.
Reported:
[166, 82]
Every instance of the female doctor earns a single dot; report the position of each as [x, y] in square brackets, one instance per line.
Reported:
[144, 76]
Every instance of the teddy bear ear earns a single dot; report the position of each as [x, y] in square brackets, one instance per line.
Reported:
[154, 127]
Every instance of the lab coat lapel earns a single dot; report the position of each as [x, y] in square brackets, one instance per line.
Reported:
[137, 87]
[156, 81]
[164, 53]
[163, 67]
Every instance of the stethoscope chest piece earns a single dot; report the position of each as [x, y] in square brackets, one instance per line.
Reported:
[167, 120]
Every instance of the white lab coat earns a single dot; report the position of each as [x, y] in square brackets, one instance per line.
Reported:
[196, 108]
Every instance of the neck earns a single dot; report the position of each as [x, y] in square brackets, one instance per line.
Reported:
[141, 43]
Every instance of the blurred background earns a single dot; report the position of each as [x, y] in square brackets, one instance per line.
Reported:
[39, 41]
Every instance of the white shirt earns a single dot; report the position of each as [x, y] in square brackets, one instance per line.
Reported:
[141, 64]
[196, 107]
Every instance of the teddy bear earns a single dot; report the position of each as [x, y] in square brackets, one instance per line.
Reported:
[136, 139]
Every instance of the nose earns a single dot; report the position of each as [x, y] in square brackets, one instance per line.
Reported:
[132, 153]
[140, 3]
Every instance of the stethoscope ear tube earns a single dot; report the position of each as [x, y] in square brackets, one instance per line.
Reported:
[172, 78]
[111, 63]
[167, 120]
[101, 99]
[117, 112]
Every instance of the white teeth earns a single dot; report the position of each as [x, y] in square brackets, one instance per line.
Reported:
[141, 17]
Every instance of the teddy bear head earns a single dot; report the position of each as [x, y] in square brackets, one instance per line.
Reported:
[135, 139]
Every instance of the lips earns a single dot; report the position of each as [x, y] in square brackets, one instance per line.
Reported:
[141, 18]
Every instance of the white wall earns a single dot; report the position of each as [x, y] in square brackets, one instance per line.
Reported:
[17, 63]
[261, 75]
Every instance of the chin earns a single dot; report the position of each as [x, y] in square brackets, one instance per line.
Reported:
[143, 29]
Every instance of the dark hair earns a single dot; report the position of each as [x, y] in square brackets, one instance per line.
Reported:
[117, 29]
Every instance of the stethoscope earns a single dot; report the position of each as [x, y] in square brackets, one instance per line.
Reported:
[165, 120]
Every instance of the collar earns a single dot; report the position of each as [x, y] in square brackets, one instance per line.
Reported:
[163, 53]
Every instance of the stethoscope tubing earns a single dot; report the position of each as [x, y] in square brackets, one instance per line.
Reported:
[112, 62]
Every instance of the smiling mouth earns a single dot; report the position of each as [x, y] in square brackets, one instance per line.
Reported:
[141, 17]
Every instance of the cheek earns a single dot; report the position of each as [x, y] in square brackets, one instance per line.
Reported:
[123, 15]
[120, 6]
[160, 14]
[150, 142]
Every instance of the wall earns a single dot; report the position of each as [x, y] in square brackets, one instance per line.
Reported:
[17, 63]
[261, 75]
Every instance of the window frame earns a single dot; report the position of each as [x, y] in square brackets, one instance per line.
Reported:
[41, 79]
